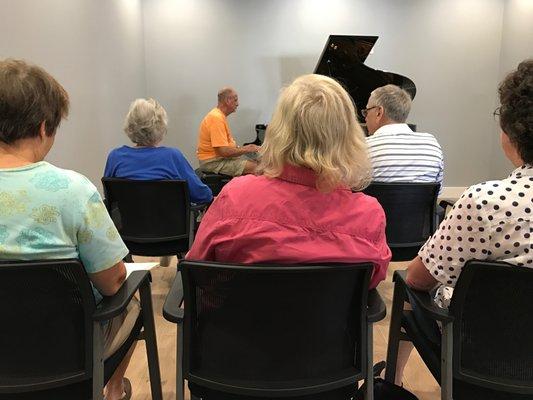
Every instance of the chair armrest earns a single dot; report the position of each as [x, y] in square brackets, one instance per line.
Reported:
[171, 309]
[376, 307]
[111, 306]
[445, 203]
[422, 299]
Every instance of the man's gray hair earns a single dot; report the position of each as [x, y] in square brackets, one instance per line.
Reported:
[224, 93]
[146, 122]
[395, 101]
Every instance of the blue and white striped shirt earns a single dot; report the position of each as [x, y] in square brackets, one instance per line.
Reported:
[398, 154]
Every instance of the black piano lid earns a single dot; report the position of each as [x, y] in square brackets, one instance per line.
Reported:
[343, 59]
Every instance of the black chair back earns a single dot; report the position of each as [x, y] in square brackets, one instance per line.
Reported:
[493, 310]
[273, 330]
[152, 217]
[46, 338]
[410, 209]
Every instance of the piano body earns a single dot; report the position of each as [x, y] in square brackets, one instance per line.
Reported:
[343, 59]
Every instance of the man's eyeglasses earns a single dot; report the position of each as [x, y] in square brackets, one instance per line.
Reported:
[365, 111]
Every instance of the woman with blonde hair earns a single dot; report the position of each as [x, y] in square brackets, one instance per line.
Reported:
[300, 208]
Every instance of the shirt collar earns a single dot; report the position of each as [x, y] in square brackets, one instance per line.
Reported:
[393, 128]
[524, 170]
[301, 176]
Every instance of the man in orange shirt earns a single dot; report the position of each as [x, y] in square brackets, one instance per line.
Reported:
[217, 150]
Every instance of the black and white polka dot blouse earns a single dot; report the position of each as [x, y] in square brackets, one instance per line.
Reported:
[491, 221]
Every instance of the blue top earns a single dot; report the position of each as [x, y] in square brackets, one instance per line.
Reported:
[153, 163]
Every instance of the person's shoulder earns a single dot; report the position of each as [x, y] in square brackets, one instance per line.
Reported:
[215, 115]
[245, 186]
[56, 179]
[120, 150]
[365, 202]
[246, 181]
[171, 153]
[482, 191]
[425, 135]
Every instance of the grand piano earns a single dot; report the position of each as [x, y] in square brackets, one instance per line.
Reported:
[343, 59]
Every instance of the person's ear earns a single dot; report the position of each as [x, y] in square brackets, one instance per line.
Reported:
[42, 130]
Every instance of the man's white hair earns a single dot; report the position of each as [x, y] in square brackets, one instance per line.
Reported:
[224, 93]
[395, 101]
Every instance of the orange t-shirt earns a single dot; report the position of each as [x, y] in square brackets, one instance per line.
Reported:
[214, 132]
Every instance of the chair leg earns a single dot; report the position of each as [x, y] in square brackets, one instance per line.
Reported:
[151, 342]
[369, 392]
[179, 364]
[192, 221]
[394, 333]
[446, 380]
[98, 362]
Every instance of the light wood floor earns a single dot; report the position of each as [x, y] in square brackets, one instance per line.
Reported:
[417, 378]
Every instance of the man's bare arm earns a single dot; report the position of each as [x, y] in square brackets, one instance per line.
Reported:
[227, 151]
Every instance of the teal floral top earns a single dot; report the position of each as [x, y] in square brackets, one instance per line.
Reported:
[47, 212]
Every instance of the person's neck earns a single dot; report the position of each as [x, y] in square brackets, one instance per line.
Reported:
[17, 156]
[223, 109]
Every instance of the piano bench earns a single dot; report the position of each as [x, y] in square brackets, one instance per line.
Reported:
[214, 181]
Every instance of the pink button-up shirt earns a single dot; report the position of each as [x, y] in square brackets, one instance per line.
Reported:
[286, 220]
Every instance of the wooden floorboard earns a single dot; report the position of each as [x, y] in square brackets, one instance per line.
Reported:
[417, 378]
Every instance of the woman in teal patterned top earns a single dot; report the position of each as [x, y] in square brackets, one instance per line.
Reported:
[47, 212]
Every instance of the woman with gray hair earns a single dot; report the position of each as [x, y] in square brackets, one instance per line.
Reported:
[301, 208]
[146, 126]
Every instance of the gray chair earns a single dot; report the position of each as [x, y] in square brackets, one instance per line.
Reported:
[410, 209]
[154, 218]
[272, 331]
[485, 350]
[51, 341]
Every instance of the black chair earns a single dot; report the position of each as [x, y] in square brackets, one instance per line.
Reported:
[154, 218]
[410, 209]
[215, 182]
[273, 331]
[485, 350]
[51, 344]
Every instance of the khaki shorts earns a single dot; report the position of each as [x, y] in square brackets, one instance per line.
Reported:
[227, 166]
[116, 331]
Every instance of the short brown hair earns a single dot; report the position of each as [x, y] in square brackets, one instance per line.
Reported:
[28, 96]
[516, 110]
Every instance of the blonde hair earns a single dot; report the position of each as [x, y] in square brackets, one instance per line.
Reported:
[315, 126]
[146, 122]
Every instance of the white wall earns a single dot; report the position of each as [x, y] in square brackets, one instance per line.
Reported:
[517, 45]
[195, 47]
[108, 52]
[94, 49]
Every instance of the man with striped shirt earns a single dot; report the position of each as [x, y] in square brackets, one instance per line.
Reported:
[397, 153]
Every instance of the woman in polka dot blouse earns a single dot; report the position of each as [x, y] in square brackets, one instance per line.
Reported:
[491, 220]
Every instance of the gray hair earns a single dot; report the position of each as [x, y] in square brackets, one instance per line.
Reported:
[146, 122]
[224, 93]
[395, 101]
